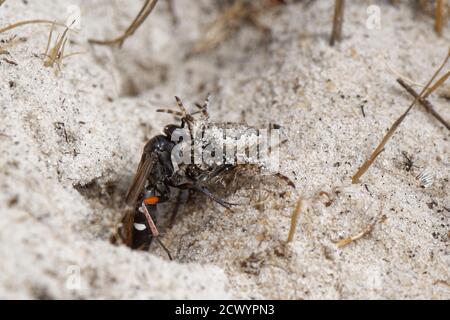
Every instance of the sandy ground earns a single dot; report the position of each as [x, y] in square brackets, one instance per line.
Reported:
[70, 144]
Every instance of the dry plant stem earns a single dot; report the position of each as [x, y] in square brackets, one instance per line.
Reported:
[366, 165]
[231, 19]
[22, 23]
[222, 27]
[148, 7]
[294, 219]
[439, 17]
[437, 84]
[338, 20]
[424, 102]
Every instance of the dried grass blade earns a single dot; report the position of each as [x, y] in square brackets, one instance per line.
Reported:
[437, 84]
[338, 20]
[22, 23]
[294, 219]
[145, 11]
[439, 17]
[366, 165]
[424, 102]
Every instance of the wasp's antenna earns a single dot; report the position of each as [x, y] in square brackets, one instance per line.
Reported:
[164, 247]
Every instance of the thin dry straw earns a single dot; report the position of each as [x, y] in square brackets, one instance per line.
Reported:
[367, 230]
[338, 20]
[439, 17]
[294, 219]
[22, 23]
[424, 102]
[145, 11]
[366, 165]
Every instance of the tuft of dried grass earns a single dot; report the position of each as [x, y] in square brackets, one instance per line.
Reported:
[147, 8]
[54, 56]
[426, 91]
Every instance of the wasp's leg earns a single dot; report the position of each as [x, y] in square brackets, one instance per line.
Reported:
[165, 248]
[182, 198]
[150, 222]
[153, 229]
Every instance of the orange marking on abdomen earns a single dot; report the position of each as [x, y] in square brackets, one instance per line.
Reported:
[151, 200]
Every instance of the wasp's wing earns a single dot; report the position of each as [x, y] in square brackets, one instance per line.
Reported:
[125, 231]
[146, 165]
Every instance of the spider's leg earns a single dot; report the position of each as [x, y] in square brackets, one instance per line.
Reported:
[208, 193]
[205, 107]
[169, 111]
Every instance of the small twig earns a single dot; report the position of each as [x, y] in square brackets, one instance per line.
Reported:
[362, 111]
[330, 199]
[9, 61]
[439, 17]
[367, 230]
[424, 102]
[231, 19]
[366, 165]
[437, 84]
[338, 20]
[294, 218]
[146, 9]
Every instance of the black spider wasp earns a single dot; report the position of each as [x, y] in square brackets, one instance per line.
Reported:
[156, 175]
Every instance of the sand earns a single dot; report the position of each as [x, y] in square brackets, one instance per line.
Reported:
[71, 142]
